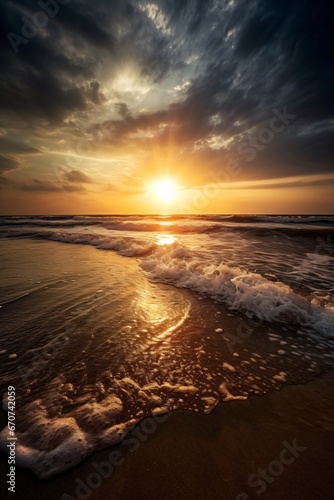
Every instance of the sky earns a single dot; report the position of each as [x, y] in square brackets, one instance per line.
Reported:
[169, 106]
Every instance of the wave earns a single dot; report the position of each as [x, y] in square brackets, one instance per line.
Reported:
[241, 290]
[48, 222]
[127, 247]
[155, 222]
[176, 264]
[298, 219]
[112, 224]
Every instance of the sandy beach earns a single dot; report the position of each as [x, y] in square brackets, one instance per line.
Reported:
[130, 385]
[192, 456]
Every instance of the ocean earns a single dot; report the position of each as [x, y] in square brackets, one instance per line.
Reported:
[110, 319]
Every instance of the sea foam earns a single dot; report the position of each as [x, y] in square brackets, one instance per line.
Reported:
[241, 290]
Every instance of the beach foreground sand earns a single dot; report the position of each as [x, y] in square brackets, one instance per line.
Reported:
[236, 452]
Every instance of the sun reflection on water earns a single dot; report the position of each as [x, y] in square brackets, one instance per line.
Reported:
[165, 223]
[166, 239]
[149, 307]
[161, 313]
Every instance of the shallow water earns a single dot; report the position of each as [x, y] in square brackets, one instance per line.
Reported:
[94, 340]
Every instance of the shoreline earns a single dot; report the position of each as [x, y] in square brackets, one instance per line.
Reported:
[188, 454]
[191, 455]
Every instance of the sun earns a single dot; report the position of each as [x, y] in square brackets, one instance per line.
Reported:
[164, 189]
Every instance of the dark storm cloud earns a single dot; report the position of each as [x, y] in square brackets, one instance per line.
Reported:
[252, 57]
[281, 55]
[53, 74]
[261, 57]
[43, 80]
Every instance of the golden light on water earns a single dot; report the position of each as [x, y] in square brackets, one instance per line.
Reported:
[166, 239]
[165, 224]
[148, 307]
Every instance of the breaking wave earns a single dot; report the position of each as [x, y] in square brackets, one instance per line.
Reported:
[241, 290]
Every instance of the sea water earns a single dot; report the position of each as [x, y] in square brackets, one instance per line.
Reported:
[108, 319]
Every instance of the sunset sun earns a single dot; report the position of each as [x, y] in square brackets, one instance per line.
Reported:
[164, 189]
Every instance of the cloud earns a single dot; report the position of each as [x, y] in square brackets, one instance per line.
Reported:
[75, 176]
[16, 147]
[7, 163]
[38, 185]
[286, 183]
[122, 109]
[48, 187]
[231, 63]
[127, 185]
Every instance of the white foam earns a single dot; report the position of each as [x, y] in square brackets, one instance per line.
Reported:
[55, 440]
[241, 290]
[186, 389]
[227, 394]
[51, 445]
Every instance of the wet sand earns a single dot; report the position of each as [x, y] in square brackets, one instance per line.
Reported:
[184, 455]
[193, 456]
